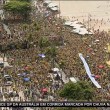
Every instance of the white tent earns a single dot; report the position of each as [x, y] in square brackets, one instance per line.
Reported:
[47, 2]
[68, 23]
[54, 8]
[55, 69]
[74, 22]
[83, 31]
[73, 79]
[77, 30]
[77, 25]
[52, 5]
[89, 33]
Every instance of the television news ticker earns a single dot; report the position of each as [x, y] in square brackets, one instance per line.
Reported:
[55, 104]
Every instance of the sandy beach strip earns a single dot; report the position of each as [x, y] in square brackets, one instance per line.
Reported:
[97, 13]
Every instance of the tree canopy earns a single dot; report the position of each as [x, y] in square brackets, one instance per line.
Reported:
[18, 8]
[77, 91]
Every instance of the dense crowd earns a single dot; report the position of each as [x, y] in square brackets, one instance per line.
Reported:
[93, 47]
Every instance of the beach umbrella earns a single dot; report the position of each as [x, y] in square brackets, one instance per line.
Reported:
[101, 66]
[26, 79]
[41, 55]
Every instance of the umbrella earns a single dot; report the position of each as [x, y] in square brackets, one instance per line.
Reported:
[26, 79]
[97, 76]
[101, 66]
[23, 74]
[41, 55]
[55, 69]
[26, 68]
[44, 90]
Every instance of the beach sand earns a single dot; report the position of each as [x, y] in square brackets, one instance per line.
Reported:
[96, 12]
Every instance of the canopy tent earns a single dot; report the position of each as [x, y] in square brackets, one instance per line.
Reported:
[26, 79]
[88, 71]
[54, 8]
[75, 30]
[41, 55]
[90, 33]
[68, 23]
[52, 5]
[55, 69]
[73, 79]
[76, 25]
[72, 23]
[83, 31]
[47, 2]
[76, 22]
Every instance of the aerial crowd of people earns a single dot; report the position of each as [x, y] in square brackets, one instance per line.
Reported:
[26, 59]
